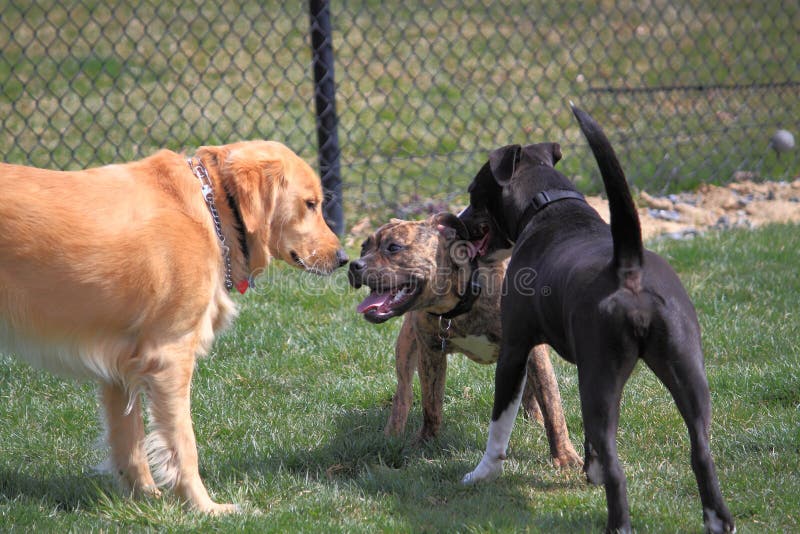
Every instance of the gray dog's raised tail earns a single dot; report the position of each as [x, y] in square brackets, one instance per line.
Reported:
[625, 228]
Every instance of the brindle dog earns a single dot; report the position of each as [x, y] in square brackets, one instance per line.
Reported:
[426, 270]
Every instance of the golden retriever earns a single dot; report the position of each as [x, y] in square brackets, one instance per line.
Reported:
[119, 274]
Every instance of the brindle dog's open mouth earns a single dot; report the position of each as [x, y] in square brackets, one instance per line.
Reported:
[384, 303]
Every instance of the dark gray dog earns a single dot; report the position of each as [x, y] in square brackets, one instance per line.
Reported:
[599, 299]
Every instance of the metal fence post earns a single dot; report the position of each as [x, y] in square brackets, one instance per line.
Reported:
[327, 122]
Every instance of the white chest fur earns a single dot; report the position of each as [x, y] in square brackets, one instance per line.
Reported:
[477, 348]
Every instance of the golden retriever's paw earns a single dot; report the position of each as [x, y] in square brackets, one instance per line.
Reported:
[222, 509]
[149, 491]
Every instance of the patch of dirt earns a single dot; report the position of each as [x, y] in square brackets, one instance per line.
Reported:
[741, 204]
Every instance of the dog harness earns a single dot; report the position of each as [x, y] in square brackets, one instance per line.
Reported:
[543, 199]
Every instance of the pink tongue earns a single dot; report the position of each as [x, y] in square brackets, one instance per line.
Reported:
[374, 300]
[482, 244]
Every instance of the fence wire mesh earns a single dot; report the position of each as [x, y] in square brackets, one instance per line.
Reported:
[689, 91]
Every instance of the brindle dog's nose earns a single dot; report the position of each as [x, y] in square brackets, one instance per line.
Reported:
[355, 272]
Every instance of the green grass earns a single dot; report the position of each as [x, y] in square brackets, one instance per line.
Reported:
[289, 411]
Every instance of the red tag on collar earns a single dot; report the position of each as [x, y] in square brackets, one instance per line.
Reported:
[242, 286]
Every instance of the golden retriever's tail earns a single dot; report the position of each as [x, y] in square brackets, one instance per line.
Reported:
[625, 228]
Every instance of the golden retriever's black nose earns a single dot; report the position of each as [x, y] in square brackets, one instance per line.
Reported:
[341, 257]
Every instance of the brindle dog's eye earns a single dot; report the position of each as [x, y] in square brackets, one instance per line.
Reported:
[393, 248]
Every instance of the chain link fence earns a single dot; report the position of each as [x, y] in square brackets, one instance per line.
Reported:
[689, 91]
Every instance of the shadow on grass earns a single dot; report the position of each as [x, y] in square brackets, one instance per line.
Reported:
[67, 492]
[421, 482]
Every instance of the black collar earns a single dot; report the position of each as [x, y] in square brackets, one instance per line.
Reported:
[467, 299]
[543, 199]
[239, 225]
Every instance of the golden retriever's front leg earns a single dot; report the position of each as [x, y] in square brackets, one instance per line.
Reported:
[171, 446]
[126, 438]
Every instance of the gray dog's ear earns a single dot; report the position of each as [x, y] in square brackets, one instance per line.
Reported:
[503, 161]
[542, 154]
[556, 148]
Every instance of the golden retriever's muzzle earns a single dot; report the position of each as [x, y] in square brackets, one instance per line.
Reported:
[312, 265]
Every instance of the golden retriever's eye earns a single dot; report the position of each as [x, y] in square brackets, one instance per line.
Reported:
[311, 204]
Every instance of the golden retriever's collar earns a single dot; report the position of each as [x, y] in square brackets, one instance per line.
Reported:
[199, 170]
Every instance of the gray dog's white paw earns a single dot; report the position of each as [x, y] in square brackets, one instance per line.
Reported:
[487, 470]
[469, 479]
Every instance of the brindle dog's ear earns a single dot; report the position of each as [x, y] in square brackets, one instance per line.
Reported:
[450, 226]
[503, 161]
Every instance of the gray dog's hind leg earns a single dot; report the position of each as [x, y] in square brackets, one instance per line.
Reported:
[686, 380]
[600, 382]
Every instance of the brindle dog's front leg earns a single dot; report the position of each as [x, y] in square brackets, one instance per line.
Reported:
[529, 402]
[406, 352]
[432, 374]
[542, 380]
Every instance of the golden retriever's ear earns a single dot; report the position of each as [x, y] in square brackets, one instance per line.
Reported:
[251, 179]
[254, 183]
[213, 156]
